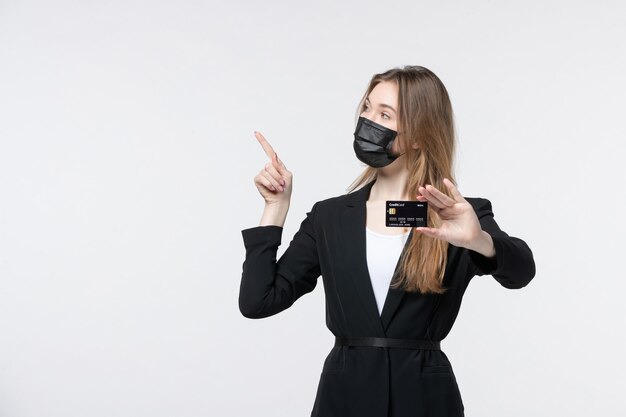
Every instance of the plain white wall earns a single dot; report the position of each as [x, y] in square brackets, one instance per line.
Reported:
[126, 176]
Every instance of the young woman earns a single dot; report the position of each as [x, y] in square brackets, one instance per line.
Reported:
[391, 294]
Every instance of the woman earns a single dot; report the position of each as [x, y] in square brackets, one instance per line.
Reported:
[391, 294]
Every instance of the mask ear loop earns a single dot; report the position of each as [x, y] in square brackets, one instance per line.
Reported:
[390, 145]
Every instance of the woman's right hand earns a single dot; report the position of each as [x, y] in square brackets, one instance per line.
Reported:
[274, 180]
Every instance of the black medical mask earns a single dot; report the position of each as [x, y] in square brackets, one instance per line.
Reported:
[372, 143]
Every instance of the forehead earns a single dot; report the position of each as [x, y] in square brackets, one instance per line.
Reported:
[385, 92]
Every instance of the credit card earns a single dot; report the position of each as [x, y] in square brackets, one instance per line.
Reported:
[406, 213]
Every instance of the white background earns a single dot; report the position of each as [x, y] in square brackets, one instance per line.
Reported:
[127, 159]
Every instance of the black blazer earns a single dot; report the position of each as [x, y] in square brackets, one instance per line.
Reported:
[363, 381]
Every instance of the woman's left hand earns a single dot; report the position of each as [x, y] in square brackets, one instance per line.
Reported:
[460, 225]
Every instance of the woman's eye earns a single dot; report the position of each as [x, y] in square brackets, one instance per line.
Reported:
[385, 116]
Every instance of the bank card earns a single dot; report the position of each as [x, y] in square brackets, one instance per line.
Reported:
[406, 213]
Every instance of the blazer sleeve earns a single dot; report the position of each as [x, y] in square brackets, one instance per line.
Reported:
[269, 287]
[513, 266]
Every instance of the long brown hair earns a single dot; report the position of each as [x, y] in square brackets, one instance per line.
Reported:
[425, 118]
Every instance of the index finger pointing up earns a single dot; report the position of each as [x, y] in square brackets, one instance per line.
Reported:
[265, 144]
[455, 192]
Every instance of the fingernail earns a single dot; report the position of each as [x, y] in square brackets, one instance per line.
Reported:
[282, 182]
[272, 187]
[281, 188]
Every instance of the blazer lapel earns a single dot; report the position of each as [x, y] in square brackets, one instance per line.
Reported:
[353, 221]
[395, 295]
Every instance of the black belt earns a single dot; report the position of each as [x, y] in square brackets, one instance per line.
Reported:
[387, 342]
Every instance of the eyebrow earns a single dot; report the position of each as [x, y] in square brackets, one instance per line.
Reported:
[383, 105]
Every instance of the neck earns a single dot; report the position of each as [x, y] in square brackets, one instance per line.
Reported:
[391, 182]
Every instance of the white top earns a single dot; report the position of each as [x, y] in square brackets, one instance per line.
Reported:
[383, 252]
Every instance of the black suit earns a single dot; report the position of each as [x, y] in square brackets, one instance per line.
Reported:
[362, 381]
